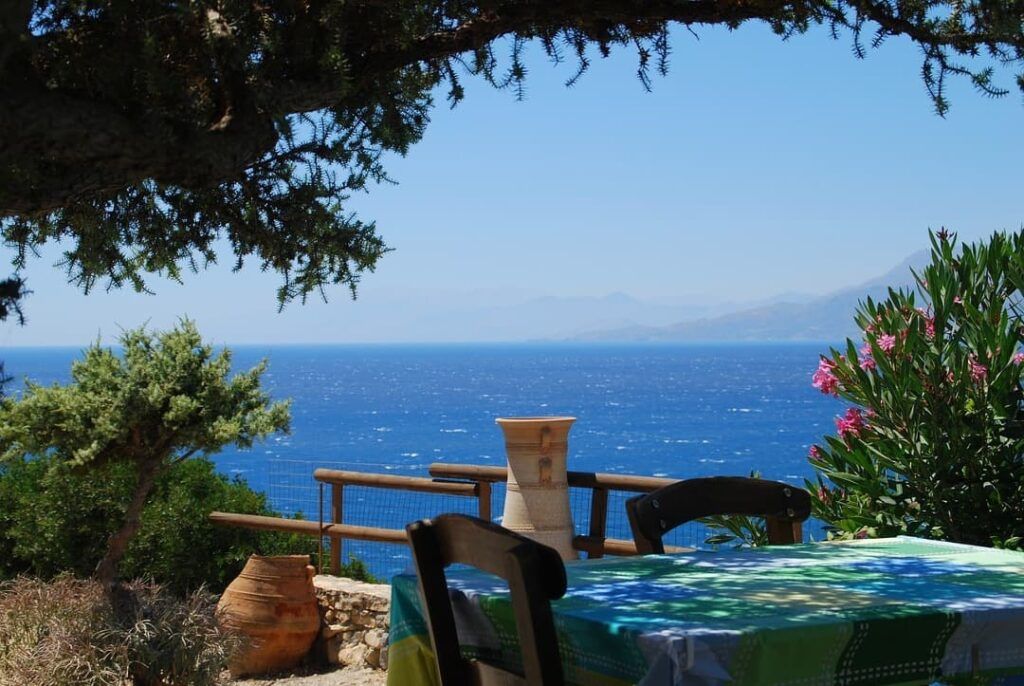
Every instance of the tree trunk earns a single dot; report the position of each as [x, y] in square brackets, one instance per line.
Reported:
[117, 544]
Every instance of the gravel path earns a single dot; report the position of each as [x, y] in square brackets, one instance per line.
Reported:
[337, 677]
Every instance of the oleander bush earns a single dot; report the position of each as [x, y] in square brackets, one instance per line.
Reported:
[932, 443]
[71, 632]
[54, 519]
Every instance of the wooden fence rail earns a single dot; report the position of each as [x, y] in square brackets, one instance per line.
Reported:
[309, 528]
[595, 543]
[613, 482]
[338, 479]
[449, 479]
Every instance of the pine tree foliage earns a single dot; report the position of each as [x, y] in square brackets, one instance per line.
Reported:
[160, 400]
[139, 133]
[12, 290]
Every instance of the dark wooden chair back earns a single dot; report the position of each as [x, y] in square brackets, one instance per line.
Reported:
[535, 575]
[653, 514]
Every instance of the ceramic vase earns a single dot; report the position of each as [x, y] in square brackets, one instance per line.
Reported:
[537, 499]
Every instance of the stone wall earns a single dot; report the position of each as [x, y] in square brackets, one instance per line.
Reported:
[355, 620]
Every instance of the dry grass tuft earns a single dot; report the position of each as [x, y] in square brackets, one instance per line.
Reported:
[66, 632]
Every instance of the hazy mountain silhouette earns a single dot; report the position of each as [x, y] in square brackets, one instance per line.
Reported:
[824, 318]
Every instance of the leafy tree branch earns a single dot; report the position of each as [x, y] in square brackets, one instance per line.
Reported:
[139, 134]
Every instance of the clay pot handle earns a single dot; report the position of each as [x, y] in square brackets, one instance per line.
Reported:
[544, 471]
[545, 440]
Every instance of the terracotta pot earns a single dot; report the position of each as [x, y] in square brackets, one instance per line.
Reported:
[537, 499]
[272, 603]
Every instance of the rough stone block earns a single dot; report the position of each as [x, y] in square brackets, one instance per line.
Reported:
[375, 638]
[356, 619]
[353, 655]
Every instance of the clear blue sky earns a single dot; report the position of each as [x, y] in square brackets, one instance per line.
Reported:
[756, 167]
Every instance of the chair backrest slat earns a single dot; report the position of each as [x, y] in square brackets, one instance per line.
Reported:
[535, 575]
[654, 514]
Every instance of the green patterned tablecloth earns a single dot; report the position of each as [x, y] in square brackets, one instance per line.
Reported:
[888, 611]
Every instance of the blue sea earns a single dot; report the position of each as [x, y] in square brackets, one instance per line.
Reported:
[665, 410]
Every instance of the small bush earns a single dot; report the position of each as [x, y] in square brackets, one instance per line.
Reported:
[167, 641]
[357, 569]
[68, 633]
[54, 520]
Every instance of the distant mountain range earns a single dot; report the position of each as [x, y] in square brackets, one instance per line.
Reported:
[422, 315]
[619, 317]
[562, 317]
[485, 317]
[823, 318]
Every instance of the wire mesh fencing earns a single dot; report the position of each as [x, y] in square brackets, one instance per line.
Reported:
[689, 535]
[294, 492]
[291, 488]
[391, 509]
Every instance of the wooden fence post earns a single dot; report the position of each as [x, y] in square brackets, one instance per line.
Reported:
[783, 531]
[598, 517]
[483, 492]
[320, 538]
[337, 506]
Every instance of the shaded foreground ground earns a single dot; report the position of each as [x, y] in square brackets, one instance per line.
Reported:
[338, 677]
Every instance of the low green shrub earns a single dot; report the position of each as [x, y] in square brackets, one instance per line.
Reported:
[54, 520]
[68, 632]
[357, 569]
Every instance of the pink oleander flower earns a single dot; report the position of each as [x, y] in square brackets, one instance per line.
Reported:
[1018, 359]
[867, 358]
[929, 322]
[814, 453]
[957, 300]
[824, 378]
[824, 495]
[850, 424]
[979, 372]
[886, 342]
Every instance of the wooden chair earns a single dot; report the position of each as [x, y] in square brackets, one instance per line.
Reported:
[653, 514]
[535, 575]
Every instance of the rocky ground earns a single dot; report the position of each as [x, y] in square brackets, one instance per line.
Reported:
[337, 677]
